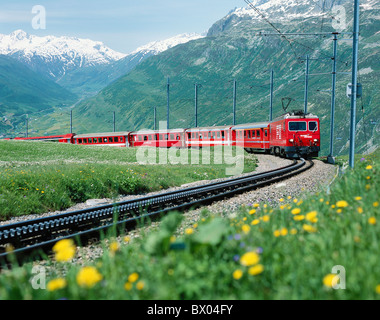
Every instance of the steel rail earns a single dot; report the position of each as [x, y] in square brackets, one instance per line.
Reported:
[27, 235]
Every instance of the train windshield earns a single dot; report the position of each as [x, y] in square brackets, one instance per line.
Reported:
[313, 126]
[297, 126]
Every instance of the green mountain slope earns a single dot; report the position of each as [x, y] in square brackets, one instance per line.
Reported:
[22, 91]
[234, 50]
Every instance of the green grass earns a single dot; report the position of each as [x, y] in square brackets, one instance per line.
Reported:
[40, 177]
[206, 261]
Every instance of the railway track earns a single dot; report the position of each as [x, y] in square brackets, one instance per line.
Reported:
[29, 238]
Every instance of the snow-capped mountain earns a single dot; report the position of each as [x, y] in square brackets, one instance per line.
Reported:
[157, 47]
[55, 56]
[65, 59]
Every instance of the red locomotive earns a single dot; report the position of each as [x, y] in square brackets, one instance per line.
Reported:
[292, 135]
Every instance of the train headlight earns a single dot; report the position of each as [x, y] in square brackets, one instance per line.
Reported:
[291, 140]
[315, 140]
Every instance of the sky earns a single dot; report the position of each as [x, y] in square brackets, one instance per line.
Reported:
[123, 25]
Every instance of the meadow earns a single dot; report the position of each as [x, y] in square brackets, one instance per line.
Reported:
[291, 250]
[40, 177]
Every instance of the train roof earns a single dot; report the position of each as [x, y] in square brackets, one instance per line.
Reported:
[158, 131]
[296, 115]
[216, 128]
[101, 135]
[258, 125]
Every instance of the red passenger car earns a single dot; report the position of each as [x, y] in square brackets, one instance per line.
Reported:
[114, 139]
[158, 139]
[252, 137]
[295, 135]
[208, 137]
[65, 138]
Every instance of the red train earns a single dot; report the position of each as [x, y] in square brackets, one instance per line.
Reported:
[292, 135]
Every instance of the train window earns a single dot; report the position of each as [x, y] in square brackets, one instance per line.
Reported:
[140, 138]
[100, 140]
[222, 134]
[85, 140]
[197, 135]
[313, 126]
[258, 133]
[95, 140]
[266, 133]
[90, 140]
[178, 137]
[249, 134]
[116, 139]
[150, 138]
[166, 137]
[105, 140]
[200, 136]
[253, 133]
[297, 126]
[110, 140]
[209, 135]
[80, 141]
[218, 134]
[145, 138]
[172, 137]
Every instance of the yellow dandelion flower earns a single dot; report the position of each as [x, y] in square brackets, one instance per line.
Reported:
[114, 247]
[256, 270]
[342, 204]
[282, 200]
[299, 218]
[64, 250]
[368, 178]
[195, 225]
[309, 228]
[289, 197]
[295, 200]
[127, 239]
[367, 187]
[284, 232]
[189, 231]
[321, 200]
[265, 206]
[358, 198]
[255, 222]
[293, 232]
[377, 289]
[296, 211]
[252, 212]
[246, 228]
[56, 284]
[333, 206]
[173, 239]
[277, 233]
[369, 167]
[266, 218]
[140, 285]
[330, 280]
[88, 277]
[128, 286]
[250, 259]
[256, 205]
[237, 274]
[339, 211]
[375, 204]
[360, 210]
[311, 216]
[372, 220]
[133, 277]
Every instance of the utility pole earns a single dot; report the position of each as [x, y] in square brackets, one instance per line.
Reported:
[71, 121]
[306, 83]
[168, 105]
[114, 121]
[234, 103]
[155, 118]
[330, 158]
[271, 95]
[354, 82]
[27, 126]
[196, 105]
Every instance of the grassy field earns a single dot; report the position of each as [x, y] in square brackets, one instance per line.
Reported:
[285, 252]
[40, 177]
